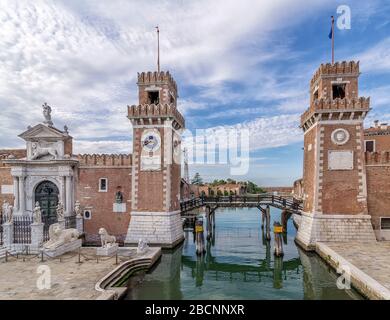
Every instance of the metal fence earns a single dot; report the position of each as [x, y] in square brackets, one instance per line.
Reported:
[22, 229]
[1, 229]
[70, 222]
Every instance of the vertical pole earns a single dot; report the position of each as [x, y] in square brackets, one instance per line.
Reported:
[332, 40]
[278, 244]
[268, 223]
[158, 49]
[209, 223]
[200, 248]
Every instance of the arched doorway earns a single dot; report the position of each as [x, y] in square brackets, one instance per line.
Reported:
[46, 193]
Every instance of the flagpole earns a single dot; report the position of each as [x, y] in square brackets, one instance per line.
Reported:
[332, 40]
[158, 49]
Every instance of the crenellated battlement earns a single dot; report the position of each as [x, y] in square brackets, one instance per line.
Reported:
[377, 158]
[105, 159]
[322, 105]
[338, 68]
[152, 111]
[147, 78]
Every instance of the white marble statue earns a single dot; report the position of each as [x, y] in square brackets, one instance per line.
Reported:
[77, 209]
[105, 238]
[47, 114]
[59, 236]
[39, 152]
[142, 246]
[4, 207]
[37, 214]
[7, 211]
[60, 211]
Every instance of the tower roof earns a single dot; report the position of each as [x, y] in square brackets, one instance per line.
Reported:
[345, 68]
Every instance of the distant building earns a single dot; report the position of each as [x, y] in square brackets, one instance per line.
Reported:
[222, 189]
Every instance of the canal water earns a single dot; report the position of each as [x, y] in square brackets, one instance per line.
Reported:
[239, 264]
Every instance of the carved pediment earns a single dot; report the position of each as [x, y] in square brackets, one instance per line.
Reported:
[43, 132]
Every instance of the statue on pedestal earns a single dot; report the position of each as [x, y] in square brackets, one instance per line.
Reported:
[59, 236]
[77, 209]
[142, 246]
[105, 238]
[47, 114]
[37, 214]
[60, 211]
[119, 197]
[7, 211]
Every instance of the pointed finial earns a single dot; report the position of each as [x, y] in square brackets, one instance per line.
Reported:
[66, 129]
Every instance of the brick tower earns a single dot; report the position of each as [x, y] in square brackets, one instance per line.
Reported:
[156, 171]
[334, 177]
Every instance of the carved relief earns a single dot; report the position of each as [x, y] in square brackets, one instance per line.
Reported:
[44, 151]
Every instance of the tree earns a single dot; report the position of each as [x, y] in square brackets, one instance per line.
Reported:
[197, 179]
[253, 188]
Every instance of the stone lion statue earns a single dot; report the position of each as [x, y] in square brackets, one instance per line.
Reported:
[59, 236]
[142, 246]
[105, 238]
[39, 152]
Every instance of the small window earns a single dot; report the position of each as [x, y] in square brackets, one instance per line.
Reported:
[315, 95]
[87, 214]
[385, 223]
[153, 97]
[369, 145]
[103, 185]
[338, 91]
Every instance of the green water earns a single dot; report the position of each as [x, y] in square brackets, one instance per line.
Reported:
[238, 264]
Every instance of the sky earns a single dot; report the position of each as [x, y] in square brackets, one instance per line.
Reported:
[238, 64]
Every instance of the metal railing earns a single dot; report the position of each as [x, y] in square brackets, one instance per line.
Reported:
[1, 229]
[70, 222]
[254, 200]
[22, 229]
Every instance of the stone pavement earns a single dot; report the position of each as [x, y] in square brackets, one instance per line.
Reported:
[369, 264]
[70, 280]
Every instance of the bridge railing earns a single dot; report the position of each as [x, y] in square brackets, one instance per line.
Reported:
[254, 199]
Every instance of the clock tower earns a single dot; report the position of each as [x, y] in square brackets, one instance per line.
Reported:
[156, 169]
[334, 174]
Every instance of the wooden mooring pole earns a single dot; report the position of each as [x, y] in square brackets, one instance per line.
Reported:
[199, 235]
[209, 222]
[278, 240]
[268, 223]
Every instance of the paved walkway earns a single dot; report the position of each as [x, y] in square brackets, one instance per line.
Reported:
[369, 264]
[69, 279]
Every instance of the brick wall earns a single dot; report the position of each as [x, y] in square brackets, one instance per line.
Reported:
[6, 180]
[101, 203]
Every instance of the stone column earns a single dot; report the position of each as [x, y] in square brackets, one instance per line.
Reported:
[8, 235]
[79, 224]
[63, 191]
[16, 193]
[22, 196]
[68, 205]
[36, 236]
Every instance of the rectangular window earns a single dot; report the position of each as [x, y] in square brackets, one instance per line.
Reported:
[369, 145]
[103, 185]
[338, 91]
[153, 97]
[385, 223]
[315, 95]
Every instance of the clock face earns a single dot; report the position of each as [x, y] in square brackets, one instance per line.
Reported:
[340, 136]
[151, 141]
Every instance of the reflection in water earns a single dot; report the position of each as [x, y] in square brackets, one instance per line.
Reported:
[238, 264]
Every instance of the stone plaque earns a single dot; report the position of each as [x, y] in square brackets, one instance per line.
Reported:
[119, 207]
[150, 163]
[340, 160]
[7, 189]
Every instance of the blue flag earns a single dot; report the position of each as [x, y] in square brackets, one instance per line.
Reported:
[330, 33]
